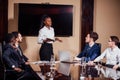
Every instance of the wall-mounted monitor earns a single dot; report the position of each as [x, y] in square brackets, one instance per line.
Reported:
[30, 16]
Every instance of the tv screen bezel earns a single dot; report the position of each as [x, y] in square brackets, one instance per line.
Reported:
[33, 33]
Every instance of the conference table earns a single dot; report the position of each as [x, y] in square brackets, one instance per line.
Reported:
[75, 70]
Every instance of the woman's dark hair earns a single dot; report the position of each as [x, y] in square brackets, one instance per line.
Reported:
[94, 35]
[44, 17]
[115, 39]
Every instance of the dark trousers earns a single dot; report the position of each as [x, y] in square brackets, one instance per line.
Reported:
[46, 51]
[26, 74]
[29, 74]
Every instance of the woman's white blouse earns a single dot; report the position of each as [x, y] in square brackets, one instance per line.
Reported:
[46, 33]
[112, 56]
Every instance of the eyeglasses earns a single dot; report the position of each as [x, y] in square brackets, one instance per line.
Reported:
[110, 41]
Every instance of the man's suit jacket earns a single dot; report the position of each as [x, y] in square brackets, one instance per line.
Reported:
[22, 55]
[11, 57]
[90, 53]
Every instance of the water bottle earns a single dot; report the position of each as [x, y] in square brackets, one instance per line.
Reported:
[82, 77]
[52, 65]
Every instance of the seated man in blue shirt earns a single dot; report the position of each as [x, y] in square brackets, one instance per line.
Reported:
[92, 49]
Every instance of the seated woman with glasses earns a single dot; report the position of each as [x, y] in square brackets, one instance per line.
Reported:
[112, 53]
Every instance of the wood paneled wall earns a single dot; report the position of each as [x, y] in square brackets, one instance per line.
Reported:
[3, 28]
[3, 18]
[87, 19]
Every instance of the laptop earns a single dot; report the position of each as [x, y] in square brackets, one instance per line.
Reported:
[64, 68]
[65, 57]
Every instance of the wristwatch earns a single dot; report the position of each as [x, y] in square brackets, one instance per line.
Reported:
[13, 66]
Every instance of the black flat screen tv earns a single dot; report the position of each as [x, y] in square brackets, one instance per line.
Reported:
[30, 16]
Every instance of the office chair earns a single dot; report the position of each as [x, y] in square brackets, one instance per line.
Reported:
[119, 45]
[1, 69]
[99, 44]
[7, 72]
[1, 62]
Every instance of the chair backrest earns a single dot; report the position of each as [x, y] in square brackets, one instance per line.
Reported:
[0, 52]
[119, 45]
[99, 44]
[1, 57]
[1, 60]
[2, 74]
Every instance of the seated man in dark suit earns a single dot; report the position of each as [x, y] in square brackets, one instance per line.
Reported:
[14, 61]
[90, 52]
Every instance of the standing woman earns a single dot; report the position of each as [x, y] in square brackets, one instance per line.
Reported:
[46, 37]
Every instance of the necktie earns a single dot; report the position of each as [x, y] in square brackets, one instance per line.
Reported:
[20, 53]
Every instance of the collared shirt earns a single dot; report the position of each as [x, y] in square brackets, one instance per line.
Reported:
[112, 56]
[17, 46]
[91, 45]
[45, 33]
[20, 52]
